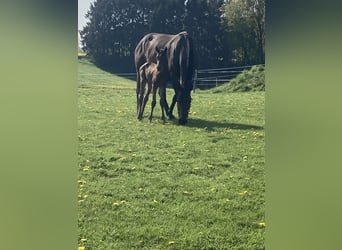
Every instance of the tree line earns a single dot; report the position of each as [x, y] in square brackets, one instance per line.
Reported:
[225, 32]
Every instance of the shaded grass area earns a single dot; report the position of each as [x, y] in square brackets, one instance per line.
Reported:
[91, 76]
[163, 186]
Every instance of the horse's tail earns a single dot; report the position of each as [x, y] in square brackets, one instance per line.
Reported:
[191, 62]
[186, 61]
[140, 59]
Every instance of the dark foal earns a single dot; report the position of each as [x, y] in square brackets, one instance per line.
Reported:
[155, 75]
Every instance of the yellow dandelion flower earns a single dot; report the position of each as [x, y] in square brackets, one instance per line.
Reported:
[81, 248]
[116, 204]
[262, 224]
[171, 242]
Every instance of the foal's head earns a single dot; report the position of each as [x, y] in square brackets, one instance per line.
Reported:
[161, 59]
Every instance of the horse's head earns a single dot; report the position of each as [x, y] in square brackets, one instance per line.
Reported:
[183, 104]
[161, 59]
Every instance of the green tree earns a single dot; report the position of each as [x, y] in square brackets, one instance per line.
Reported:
[114, 25]
[165, 16]
[203, 22]
[221, 30]
[245, 22]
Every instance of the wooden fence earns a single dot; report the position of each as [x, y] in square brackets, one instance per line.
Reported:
[206, 78]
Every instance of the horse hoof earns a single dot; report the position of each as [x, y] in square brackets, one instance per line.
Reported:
[182, 121]
[171, 116]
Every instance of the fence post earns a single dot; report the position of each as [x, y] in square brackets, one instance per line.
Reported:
[195, 80]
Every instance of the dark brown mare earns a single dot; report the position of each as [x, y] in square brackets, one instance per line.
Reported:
[156, 76]
[180, 55]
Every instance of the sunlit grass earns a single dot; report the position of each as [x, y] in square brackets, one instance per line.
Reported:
[163, 186]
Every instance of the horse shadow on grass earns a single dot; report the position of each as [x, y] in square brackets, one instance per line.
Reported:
[212, 125]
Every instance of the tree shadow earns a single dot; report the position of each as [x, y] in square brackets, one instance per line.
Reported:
[211, 125]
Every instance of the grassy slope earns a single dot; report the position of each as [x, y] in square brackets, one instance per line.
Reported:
[164, 186]
[248, 80]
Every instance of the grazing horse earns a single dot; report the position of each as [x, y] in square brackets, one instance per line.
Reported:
[180, 55]
[156, 76]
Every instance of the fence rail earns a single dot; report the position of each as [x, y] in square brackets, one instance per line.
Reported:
[207, 78]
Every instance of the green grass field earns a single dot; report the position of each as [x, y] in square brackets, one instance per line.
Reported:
[163, 186]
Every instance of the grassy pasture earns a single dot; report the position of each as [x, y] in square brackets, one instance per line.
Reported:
[163, 186]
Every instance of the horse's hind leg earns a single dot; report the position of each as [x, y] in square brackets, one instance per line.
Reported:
[140, 98]
[140, 101]
[137, 91]
[145, 99]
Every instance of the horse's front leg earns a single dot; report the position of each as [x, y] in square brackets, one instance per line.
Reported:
[174, 100]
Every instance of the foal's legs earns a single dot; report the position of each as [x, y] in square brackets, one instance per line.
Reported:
[163, 103]
[148, 91]
[154, 93]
